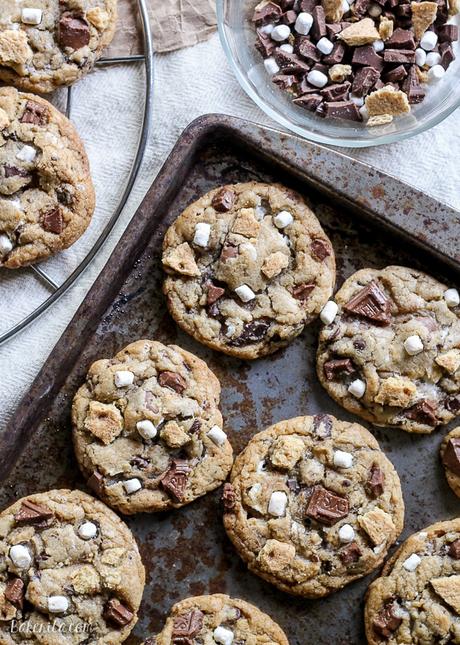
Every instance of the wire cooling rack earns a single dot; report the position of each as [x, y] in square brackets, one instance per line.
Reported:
[57, 290]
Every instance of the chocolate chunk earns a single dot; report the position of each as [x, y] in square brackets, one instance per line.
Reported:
[403, 10]
[195, 427]
[229, 497]
[303, 291]
[375, 481]
[411, 86]
[265, 45]
[318, 29]
[371, 303]
[338, 367]
[447, 54]
[172, 380]
[309, 101]
[342, 110]
[35, 113]
[396, 74]
[447, 33]
[401, 39]
[453, 404]
[305, 48]
[365, 78]
[336, 55]
[52, 221]
[350, 553]
[116, 613]
[360, 7]
[228, 251]
[322, 425]
[268, 12]
[14, 592]
[31, 513]
[336, 91]
[13, 171]
[359, 344]
[96, 482]
[73, 31]
[423, 412]
[326, 507]
[290, 63]
[213, 293]
[387, 621]
[223, 200]
[284, 81]
[367, 56]
[454, 550]
[293, 485]
[307, 5]
[332, 30]
[252, 332]
[451, 456]
[399, 56]
[64, 195]
[187, 625]
[320, 249]
[174, 480]
[289, 17]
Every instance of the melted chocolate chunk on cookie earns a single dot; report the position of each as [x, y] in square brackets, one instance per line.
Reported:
[453, 404]
[322, 424]
[229, 497]
[14, 171]
[454, 550]
[228, 252]
[371, 303]
[73, 31]
[451, 456]
[117, 613]
[52, 221]
[187, 626]
[326, 507]
[213, 293]
[387, 621]
[96, 482]
[423, 412]
[376, 481]
[223, 200]
[320, 249]
[253, 332]
[15, 591]
[35, 113]
[338, 367]
[174, 480]
[172, 380]
[303, 291]
[31, 513]
[350, 553]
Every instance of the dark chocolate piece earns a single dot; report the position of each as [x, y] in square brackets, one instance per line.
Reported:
[447, 33]
[31, 513]
[195, 427]
[290, 63]
[252, 332]
[411, 86]
[423, 412]
[96, 482]
[338, 367]
[265, 44]
[451, 456]
[35, 113]
[228, 251]
[360, 7]
[350, 553]
[303, 291]
[401, 39]
[399, 56]
[371, 303]
[453, 404]
[365, 78]
[336, 55]
[267, 13]
[454, 549]
[117, 614]
[187, 626]
[396, 74]
[336, 91]
[309, 101]
[284, 81]
[386, 621]
[305, 48]
[52, 221]
[342, 110]
[14, 171]
[367, 56]
[174, 480]
[172, 380]
[73, 31]
[322, 425]
[289, 17]
[326, 507]
[320, 249]
[447, 54]
[213, 293]
[223, 200]
[14, 592]
[318, 29]
[229, 497]
[375, 482]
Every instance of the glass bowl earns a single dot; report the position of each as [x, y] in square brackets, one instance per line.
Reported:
[238, 36]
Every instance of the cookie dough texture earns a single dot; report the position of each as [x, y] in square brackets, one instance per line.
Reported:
[450, 457]
[198, 619]
[416, 600]
[46, 192]
[156, 443]
[313, 504]
[378, 311]
[262, 238]
[68, 40]
[98, 580]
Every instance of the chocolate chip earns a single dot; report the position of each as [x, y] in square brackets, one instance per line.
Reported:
[293, 485]
[228, 251]
[96, 482]
[268, 12]
[454, 550]
[139, 462]
[367, 56]
[35, 113]
[223, 200]
[386, 621]
[290, 63]
[64, 196]
[365, 78]
[13, 171]
[213, 293]
[318, 29]
[303, 291]
[305, 48]
[73, 31]
[401, 39]
[375, 481]
[453, 404]
[350, 553]
[14, 592]
[322, 425]
[359, 344]
[447, 33]
[195, 427]
[229, 497]
[423, 412]
[52, 221]
[117, 613]
[174, 480]
[31, 513]
[309, 101]
[372, 303]
[187, 625]
[252, 332]
[338, 367]
[172, 380]
[451, 456]
[326, 507]
[320, 249]
[342, 110]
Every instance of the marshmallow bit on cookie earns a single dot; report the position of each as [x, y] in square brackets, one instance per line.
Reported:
[5, 245]
[202, 234]
[413, 345]
[146, 429]
[217, 436]
[223, 635]
[343, 459]
[123, 378]
[277, 504]
[357, 388]
[451, 296]
[132, 485]
[328, 312]
[27, 153]
[412, 562]
[20, 556]
[87, 530]
[283, 219]
[346, 533]
[245, 293]
[30, 16]
[58, 604]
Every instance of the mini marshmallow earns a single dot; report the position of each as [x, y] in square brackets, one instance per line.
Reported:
[432, 59]
[346, 533]
[289, 49]
[245, 293]
[260, 210]
[20, 556]
[57, 604]
[280, 33]
[267, 29]
[420, 57]
[317, 78]
[412, 562]
[277, 504]
[283, 219]
[374, 10]
[230, 329]
[357, 100]
[31, 16]
[271, 65]
[364, 112]
[329, 312]
[87, 530]
[202, 234]
[123, 378]
[343, 459]
[436, 72]
[27, 153]
[132, 485]
[217, 436]
[357, 388]
[378, 45]
[413, 345]
[429, 40]
[303, 23]
[324, 45]
[223, 636]
[146, 429]
[345, 6]
[451, 296]
[6, 245]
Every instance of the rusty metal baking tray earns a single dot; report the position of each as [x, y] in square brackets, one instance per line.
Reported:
[373, 220]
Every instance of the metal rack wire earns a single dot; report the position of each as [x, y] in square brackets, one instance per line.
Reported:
[58, 290]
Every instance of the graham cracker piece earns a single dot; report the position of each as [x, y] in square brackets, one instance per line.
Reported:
[14, 48]
[387, 100]
[396, 391]
[448, 588]
[423, 15]
[360, 33]
[274, 264]
[385, 28]
[339, 72]
[333, 10]
[377, 524]
[381, 119]
[246, 223]
[450, 360]
[104, 421]
[182, 260]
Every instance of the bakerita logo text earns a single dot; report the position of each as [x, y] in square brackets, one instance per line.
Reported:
[56, 627]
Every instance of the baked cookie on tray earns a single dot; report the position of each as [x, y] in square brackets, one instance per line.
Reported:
[450, 457]
[46, 192]
[71, 571]
[313, 504]
[147, 429]
[45, 44]
[417, 598]
[390, 349]
[218, 619]
[248, 267]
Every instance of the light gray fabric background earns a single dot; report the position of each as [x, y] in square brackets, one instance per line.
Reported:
[107, 108]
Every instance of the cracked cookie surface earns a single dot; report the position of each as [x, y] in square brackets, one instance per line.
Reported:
[46, 192]
[417, 598]
[68, 560]
[313, 504]
[392, 353]
[45, 44]
[248, 267]
[218, 619]
[147, 429]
